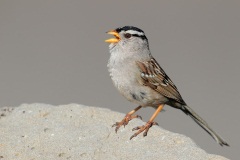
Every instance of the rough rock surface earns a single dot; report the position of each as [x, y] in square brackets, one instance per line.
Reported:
[73, 132]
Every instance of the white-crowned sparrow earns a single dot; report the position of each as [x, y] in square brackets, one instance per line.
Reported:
[140, 79]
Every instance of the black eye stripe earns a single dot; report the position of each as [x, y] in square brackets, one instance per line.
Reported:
[136, 35]
[141, 36]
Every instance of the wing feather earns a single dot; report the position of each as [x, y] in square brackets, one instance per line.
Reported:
[155, 77]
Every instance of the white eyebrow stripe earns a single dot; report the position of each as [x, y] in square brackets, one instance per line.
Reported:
[135, 32]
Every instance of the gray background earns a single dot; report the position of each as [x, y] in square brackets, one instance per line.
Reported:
[53, 51]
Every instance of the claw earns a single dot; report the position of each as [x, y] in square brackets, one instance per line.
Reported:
[125, 121]
[136, 128]
[116, 129]
[139, 117]
[134, 135]
[114, 124]
[144, 128]
[145, 134]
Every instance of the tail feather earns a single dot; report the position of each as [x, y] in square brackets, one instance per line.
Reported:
[187, 110]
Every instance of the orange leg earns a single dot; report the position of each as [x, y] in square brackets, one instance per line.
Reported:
[148, 124]
[127, 118]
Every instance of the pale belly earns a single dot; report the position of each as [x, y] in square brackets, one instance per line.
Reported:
[137, 93]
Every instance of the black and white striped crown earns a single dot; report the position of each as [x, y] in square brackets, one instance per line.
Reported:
[134, 31]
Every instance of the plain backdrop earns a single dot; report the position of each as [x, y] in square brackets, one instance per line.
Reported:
[53, 51]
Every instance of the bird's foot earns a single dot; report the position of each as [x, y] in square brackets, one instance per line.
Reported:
[145, 128]
[125, 121]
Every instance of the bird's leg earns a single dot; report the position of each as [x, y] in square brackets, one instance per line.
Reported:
[129, 116]
[148, 124]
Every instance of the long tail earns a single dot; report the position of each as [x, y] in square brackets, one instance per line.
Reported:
[187, 110]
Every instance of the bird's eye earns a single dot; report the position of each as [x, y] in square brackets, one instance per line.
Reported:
[127, 35]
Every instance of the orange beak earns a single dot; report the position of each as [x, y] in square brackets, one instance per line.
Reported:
[113, 40]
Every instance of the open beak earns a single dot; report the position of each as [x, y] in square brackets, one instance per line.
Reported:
[113, 40]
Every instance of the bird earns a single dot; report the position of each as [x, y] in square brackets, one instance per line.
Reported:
[141, 80]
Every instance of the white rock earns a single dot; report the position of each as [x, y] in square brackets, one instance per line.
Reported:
[41, 131]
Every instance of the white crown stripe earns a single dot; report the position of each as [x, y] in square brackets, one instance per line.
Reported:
[135, 32]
